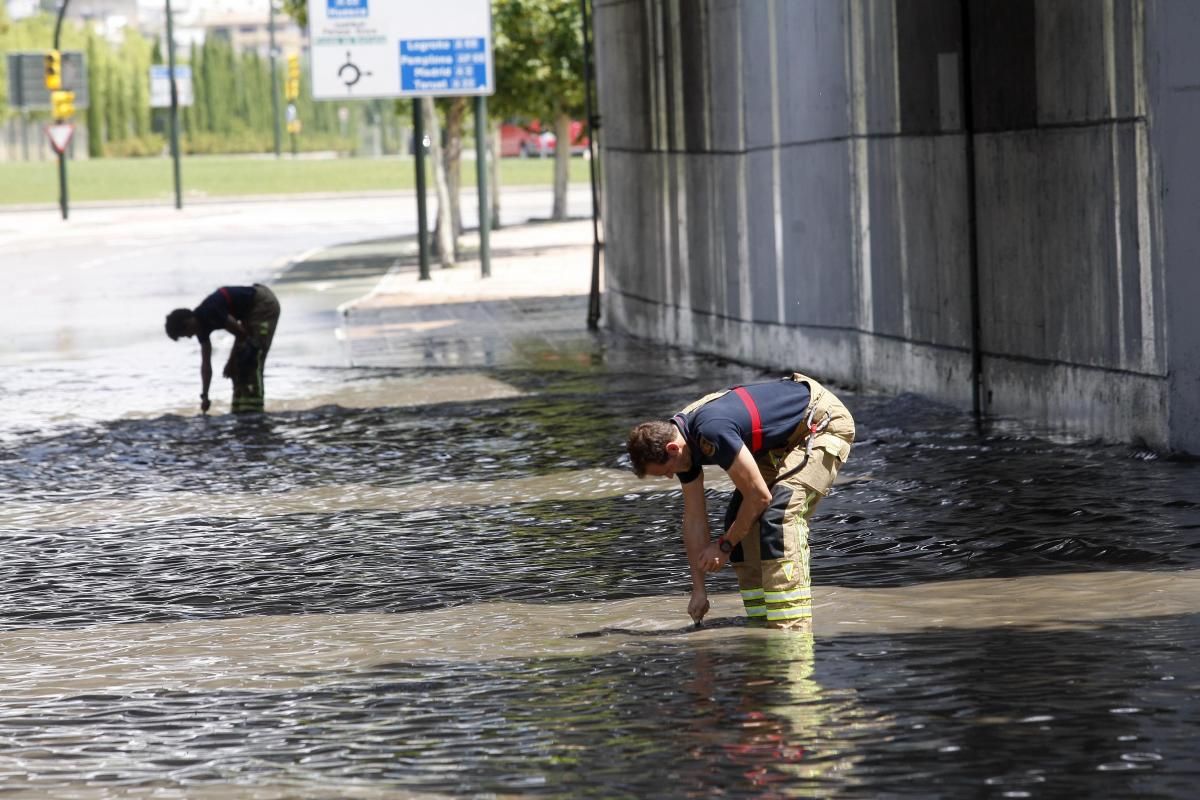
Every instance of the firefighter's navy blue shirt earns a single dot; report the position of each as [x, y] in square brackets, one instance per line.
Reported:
[213, 310]
[716, 431]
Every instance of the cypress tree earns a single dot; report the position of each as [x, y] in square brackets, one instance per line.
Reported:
[95, 121]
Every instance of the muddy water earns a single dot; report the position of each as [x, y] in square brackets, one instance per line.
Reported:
[428, 573]
[460, 591]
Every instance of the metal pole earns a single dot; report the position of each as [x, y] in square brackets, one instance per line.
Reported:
[19, 80]
[593, 317]
[485, 216]
[63, 204]
[174, 108]
[274, 83]
[422, 217]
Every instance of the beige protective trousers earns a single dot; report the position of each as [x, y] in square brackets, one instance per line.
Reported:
[248, 358]
[772, 561]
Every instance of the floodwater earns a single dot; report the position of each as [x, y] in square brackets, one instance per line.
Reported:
[438, 579]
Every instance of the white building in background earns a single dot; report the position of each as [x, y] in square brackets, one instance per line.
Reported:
[245, 24]
[19, 9]
[110, 17]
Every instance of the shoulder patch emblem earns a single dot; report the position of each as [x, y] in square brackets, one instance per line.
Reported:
[707, 448]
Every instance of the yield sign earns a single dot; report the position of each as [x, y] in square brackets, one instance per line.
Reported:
[60, 136]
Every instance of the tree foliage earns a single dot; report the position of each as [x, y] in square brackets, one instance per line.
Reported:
[539, 58]
[297, 10]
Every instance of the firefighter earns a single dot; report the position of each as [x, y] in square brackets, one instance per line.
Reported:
[782, 443]
[251, 314]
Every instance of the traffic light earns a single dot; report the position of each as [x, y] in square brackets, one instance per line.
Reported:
[63, 105]
[53, 61]
[293, 77]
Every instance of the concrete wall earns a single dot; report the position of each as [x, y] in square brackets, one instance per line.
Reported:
[787, 183]
[1174, 67]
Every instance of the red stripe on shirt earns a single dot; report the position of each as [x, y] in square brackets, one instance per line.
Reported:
[755, 419]
[228, 298]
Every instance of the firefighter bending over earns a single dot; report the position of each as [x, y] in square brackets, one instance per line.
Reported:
[782, 443]
[251, 314]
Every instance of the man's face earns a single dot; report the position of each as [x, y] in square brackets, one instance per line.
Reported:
[678, 460]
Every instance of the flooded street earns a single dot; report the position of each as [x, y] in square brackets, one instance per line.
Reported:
[427, 571]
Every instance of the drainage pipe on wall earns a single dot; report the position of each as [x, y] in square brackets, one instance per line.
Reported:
[972, 222]
[593, 128]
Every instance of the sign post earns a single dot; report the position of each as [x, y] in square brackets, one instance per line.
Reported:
[292, 92]
[63, 102]
[53, 80]
[174, 106]
[405, 48]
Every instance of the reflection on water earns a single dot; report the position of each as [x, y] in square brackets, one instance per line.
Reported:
[467, 595]
[754, 713]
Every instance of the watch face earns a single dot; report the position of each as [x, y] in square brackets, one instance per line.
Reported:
[726, 546]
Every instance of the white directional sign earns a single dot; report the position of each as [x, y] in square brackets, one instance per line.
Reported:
[400, 48]
[160, 86]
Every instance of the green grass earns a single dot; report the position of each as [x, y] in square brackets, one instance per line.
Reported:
[235, 176]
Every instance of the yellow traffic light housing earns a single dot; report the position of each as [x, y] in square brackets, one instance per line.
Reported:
[53, 61]
[293, 77]
[62, 105]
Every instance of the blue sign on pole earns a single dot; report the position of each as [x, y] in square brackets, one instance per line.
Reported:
[443, 65]
[343, 9]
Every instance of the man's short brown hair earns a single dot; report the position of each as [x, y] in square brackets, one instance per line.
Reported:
[648, 444]
[177, 322]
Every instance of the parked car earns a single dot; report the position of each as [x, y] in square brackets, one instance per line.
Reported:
[528, 139]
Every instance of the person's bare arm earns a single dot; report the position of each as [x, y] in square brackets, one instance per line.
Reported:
[695, 537]
[755, 499]
[205, 373]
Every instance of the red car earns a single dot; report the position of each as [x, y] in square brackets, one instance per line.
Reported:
[528, 139]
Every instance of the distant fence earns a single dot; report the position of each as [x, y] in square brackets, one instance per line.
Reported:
[22, 139]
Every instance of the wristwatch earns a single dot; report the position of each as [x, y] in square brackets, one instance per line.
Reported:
[725, 545]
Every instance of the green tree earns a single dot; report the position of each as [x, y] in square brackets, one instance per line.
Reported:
[95, 119]
[538, 57]
[297, 10]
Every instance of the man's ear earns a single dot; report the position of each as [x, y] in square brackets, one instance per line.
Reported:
[673, 448]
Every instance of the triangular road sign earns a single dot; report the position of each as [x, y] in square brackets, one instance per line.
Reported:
[60, 136]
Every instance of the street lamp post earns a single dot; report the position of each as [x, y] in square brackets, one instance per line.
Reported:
[174, 107]
[274, 82]
[62, 155]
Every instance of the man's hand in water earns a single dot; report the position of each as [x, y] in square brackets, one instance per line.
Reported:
[698, 606]
[204, 405]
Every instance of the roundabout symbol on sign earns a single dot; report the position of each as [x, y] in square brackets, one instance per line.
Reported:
[350, 73]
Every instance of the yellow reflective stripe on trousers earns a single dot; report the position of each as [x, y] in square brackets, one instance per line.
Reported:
[752, 599]
[756, 611]
[794, 594]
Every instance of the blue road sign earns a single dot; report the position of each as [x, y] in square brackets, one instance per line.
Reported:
[443, 65]
[343, 9]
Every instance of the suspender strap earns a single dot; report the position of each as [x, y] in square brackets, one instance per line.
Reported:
[680, 422]
[755, 420]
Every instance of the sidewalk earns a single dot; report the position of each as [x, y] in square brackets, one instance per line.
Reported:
[533, 307]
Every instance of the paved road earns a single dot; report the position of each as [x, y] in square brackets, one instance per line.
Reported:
[84, 336]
